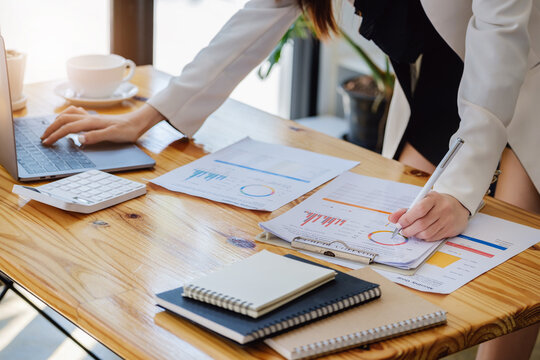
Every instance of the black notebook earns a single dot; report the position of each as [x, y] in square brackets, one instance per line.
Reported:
[344, 292]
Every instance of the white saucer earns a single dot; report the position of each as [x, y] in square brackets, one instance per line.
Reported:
[125, 91]
[19, 104]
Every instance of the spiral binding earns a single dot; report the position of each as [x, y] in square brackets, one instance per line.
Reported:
[368, 336]
[218, 299]
[323, 310]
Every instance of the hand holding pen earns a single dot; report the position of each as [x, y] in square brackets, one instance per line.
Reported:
[433, 216]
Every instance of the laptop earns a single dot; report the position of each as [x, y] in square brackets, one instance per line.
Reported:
[26, 159]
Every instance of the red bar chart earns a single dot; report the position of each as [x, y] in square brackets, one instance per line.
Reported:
[324, 220]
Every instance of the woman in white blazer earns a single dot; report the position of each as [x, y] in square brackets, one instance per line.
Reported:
[499, 105]
[499, 100]
[499, 42]
[500, 84]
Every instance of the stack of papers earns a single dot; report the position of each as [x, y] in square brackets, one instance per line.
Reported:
[353, 209]
[352, 213]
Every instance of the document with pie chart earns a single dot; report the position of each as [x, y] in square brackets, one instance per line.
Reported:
[255, 175]
[353, 211]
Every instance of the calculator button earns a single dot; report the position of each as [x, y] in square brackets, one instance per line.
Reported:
[104, 182]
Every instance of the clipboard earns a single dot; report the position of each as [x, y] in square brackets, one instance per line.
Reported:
[271, 239]
[335, 248]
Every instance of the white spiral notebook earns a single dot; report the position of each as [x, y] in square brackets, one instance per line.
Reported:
[258, 284]
[397, 312]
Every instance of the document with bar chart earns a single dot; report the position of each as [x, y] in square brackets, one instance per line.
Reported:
[353, 211]
[255, 175]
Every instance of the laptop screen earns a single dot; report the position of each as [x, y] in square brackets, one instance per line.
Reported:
[8, 157]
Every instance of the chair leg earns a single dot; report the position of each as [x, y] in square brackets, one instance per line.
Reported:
[8, 284]
[4, 291]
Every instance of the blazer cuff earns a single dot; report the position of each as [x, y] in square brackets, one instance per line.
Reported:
[163, 103]
[469, 174]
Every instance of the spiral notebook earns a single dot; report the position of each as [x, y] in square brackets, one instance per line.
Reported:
[397, 312]
[258, 284]
[344, 292]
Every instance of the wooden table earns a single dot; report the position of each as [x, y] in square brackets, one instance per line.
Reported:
[101, 270]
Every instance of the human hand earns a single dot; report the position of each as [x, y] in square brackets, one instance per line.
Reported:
[433, 218]
[97, 128]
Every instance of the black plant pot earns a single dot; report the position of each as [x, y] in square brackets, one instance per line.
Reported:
[365, 120]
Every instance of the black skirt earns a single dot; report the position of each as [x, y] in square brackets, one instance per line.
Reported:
[403, 31]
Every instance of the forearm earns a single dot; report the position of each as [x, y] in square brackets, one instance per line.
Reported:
[144, 118]
[497, 47]
[469, 175]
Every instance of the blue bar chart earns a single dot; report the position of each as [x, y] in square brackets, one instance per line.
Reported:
[254, 175]
[206, 175]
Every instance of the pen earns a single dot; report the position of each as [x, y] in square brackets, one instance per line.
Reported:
[438, 171]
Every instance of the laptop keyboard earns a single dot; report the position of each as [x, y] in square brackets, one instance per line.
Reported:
[36, 158]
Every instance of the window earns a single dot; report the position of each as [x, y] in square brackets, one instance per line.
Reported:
[183, 27]
[52, 31]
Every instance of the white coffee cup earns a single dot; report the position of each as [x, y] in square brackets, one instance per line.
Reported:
[16, 62]
[98, 76]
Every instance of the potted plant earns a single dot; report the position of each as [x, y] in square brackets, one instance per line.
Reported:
[366, 98]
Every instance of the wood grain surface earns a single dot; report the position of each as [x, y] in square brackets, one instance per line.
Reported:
[102, 270]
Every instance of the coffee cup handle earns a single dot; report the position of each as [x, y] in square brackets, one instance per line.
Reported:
[131, 66]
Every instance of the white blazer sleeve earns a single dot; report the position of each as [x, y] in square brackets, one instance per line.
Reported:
[245, 40]
[497, 47]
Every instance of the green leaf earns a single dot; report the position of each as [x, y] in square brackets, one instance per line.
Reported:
[301, 28]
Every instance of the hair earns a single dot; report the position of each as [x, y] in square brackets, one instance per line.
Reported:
[321, 14]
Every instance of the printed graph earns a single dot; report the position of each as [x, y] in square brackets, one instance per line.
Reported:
[323, 220]
[260, 170]
[384, 237]
[471, 244]
[469, 249]
[356, 206]
[257, 190]
[442, 260]
[206, 175]
[483, 242]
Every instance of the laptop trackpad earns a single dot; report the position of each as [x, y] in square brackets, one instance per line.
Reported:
[112, 156]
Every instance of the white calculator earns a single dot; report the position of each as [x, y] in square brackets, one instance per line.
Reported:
[85, 192]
